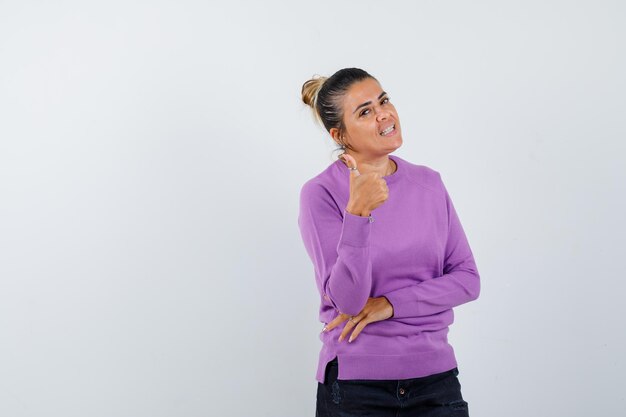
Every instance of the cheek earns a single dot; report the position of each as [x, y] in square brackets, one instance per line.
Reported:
[395, 115]
[362, 126]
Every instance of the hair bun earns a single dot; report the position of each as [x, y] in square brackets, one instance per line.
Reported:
[310, 89]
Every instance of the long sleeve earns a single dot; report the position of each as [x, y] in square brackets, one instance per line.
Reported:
[459, 283]
[338, 243]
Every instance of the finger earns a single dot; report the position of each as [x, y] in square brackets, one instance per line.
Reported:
[348, 327]
[357, 330]
[351, 162]
[336, 322]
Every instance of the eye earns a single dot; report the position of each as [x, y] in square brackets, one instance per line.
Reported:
[364, 112]
[385, 100]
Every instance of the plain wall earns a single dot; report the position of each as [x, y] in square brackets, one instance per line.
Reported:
[151, 158]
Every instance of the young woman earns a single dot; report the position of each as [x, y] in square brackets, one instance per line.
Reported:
[391, 260]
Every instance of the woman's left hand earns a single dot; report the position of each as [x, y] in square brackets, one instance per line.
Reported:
[376, 309]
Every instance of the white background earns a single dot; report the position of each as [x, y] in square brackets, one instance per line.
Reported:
[151, 157]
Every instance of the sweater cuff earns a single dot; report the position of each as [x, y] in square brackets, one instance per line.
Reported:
[401, 306]
[355, 230]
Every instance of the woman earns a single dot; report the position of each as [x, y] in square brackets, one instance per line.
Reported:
[391, 260]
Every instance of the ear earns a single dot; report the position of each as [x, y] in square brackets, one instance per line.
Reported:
[334, 133]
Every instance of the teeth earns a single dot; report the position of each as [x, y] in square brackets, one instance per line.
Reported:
[388, 130]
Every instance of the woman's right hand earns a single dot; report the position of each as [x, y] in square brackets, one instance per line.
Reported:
[367, 191]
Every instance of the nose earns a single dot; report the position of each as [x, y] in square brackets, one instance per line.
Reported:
[382, 115]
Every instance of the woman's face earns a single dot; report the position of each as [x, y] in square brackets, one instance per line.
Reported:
[371, 122]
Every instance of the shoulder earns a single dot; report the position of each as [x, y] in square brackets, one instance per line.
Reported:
[422, 175]
[322, 188]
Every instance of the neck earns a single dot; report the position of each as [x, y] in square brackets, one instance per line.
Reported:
[382, 165]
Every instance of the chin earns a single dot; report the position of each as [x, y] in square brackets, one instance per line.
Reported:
[392, 147]
[397, 142]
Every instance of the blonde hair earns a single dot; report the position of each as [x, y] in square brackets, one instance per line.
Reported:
[310, 91]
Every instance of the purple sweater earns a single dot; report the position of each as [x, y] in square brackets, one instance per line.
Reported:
[413, 251]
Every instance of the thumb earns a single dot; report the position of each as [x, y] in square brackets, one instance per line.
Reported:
[351, 162]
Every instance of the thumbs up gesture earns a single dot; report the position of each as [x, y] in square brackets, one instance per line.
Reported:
[367, 191]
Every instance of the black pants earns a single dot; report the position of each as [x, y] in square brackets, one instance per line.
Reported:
[436, 395]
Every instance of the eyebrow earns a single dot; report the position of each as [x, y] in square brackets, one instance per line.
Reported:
[367, 103]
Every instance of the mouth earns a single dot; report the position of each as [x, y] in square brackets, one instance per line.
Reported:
[389, 131]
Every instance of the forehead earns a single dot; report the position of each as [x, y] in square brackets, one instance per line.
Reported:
[361, 92]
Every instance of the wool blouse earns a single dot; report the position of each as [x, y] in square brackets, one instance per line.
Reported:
[411, 250]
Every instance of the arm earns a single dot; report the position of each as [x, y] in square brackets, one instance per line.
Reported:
[459, 283]
[338, 245]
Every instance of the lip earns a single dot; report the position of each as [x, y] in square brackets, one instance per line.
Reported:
[395, 130]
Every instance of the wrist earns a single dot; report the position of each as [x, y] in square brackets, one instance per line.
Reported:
[357, 211]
